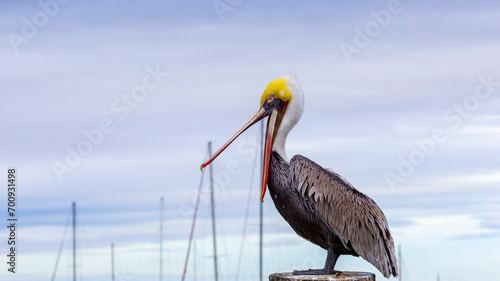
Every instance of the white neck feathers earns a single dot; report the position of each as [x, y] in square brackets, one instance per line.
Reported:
[292, 115]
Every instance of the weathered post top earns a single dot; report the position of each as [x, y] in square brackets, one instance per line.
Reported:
[344, 276]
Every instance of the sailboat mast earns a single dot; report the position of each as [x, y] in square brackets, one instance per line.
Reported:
[74, 240]
[112, 262]
[161, 238]
[213, 212]
[400, 259]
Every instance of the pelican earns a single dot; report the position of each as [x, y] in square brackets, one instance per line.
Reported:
[319, 204]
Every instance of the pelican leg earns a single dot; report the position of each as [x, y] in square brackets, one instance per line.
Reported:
[331, 260]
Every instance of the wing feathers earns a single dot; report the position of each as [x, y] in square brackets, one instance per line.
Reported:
[352, 215]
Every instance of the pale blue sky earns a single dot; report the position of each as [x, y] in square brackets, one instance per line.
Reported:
[159, 79]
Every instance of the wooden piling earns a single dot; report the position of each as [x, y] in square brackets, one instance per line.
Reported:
[344, 276]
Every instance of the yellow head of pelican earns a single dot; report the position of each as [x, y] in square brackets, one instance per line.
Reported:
[283, 102]
[277, 88]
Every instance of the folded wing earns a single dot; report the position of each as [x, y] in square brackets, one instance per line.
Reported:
[353, 216]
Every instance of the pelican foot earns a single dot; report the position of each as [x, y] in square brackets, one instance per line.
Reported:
[316, 272]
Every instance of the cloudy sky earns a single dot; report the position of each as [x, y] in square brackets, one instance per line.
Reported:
[111, 105]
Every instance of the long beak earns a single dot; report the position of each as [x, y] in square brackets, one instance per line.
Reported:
[261, 113]
[271, 125]
[270, 132]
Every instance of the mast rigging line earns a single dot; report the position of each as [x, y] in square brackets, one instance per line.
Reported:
[61, 246]
[193, 226]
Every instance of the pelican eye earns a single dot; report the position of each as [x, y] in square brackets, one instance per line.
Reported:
[270, 98]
